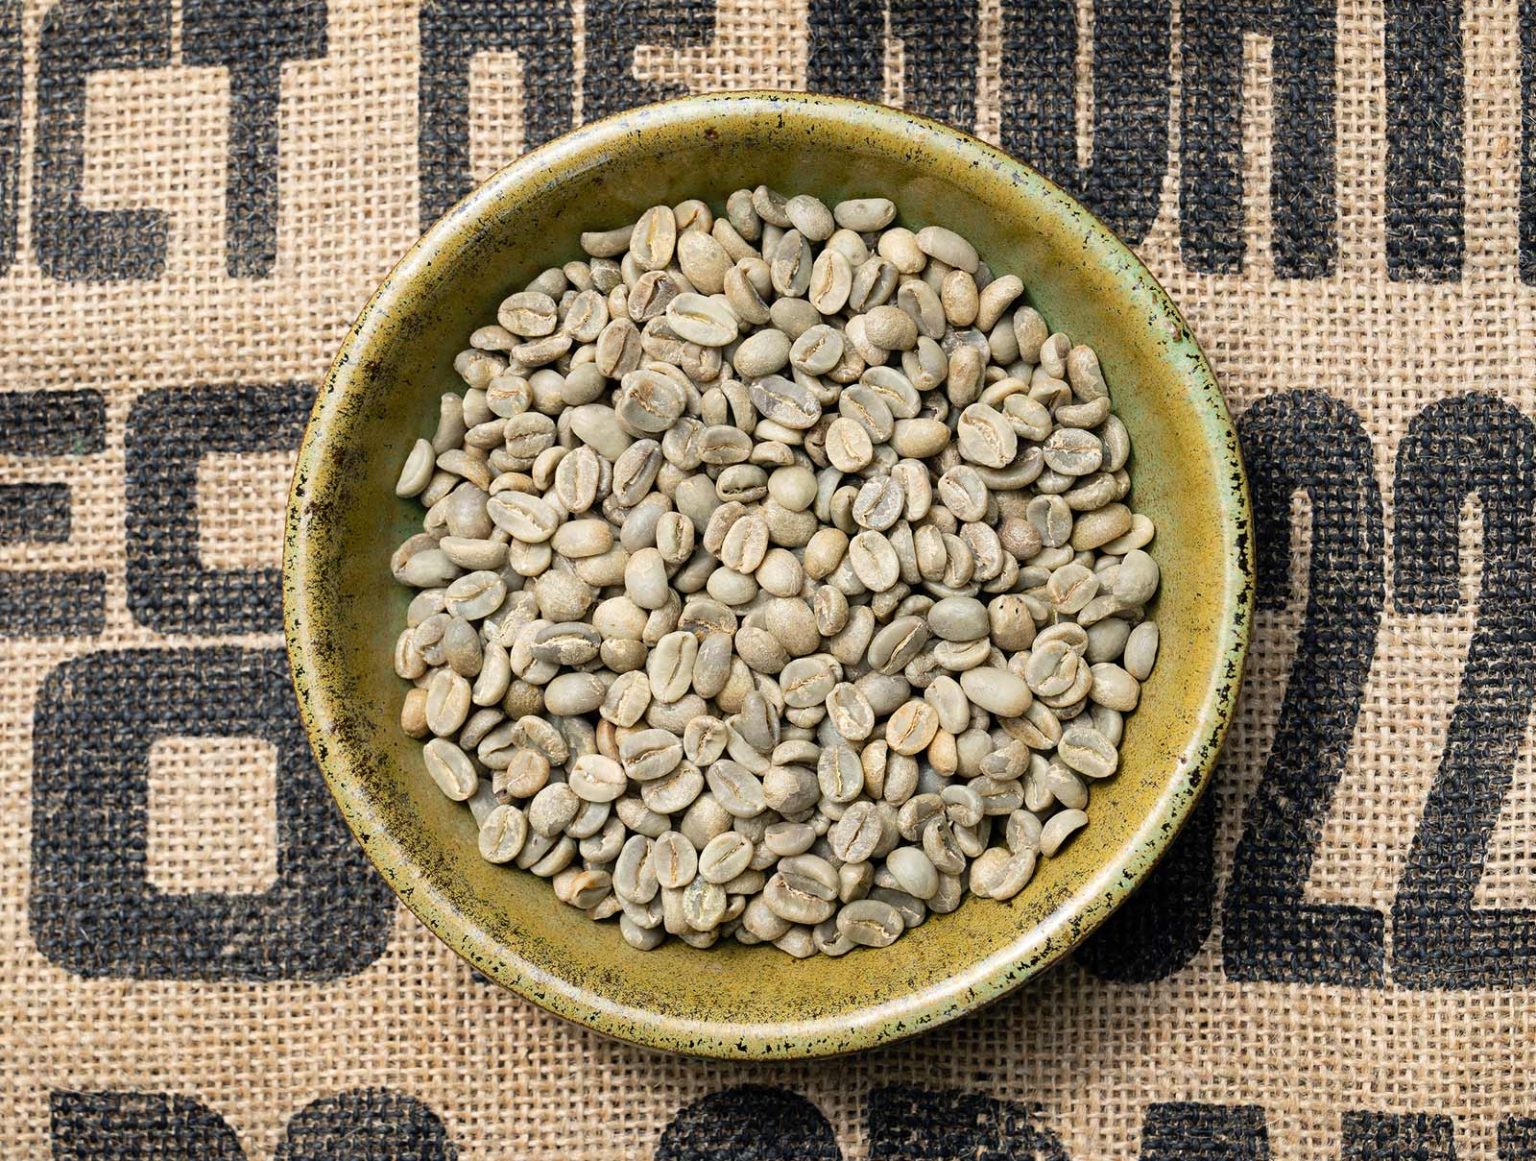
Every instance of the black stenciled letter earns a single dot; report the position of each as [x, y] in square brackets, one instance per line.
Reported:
[137, 1126]
[751, 1120]
[1372, 1136]
[34, 513]
[252, 39]
[1528, 142]
[1517, 1139]
[615, 28]
[169, 432]
[1161, 928]
[1302, 198]
[1424, 140]
[846, 53]
[10, 126]
[1470, 443]
[72, 242]
[48, 423]
[366, 1124]
[1190, 1131]
[452, 33]
[907, 1123]
[371, 1124]
[1305, 440]
[1132, 85]
[93, 908]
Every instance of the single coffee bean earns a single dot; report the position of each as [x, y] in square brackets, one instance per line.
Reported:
[674, 860]
[959, 619]
[1059, 828]
[724, 857]
[848, 445]
[789, 838]
[806, 681]
[574, 693]
[1138, 578]
[985, 437]
[890, 327]
[529, 314]
[997, 691]
[850, 712]
[912, 727]
[999, 874]
[897, 644]
[762, 353]
[855, 836]
[654, 238]
[597, 779]
[1087, 751]
[745, 544]
[703, 320]
[948, 247]
[451, 769]
[874, 561]
[870, 923]
[675, 792]
[736, 788]
[840, 773]
[1114, 688]
[913, 871]
[1141, 650]
[864, 214]
[553, 809]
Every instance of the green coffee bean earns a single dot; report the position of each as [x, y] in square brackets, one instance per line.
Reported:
[870, 923]
[607, 243]
[589, 820]
[596, 779]
[737, 790]
[806, 681]
[874, 560]
[553, 809]
[985, 437]
[724, 857]
[654, 238]
[674, 860]
[1141, 650]
[948, 247]
[450, 768]
[959, 298]
[850, 712]
[704, 261]
[999, 874]
[503, 834]
[1114, 688]
[574, 693]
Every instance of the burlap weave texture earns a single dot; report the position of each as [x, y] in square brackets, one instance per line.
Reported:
[1339, 961]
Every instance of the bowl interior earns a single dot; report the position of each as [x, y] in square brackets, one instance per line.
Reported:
[344, 610]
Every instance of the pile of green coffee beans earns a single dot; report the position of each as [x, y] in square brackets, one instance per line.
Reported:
[776, 581]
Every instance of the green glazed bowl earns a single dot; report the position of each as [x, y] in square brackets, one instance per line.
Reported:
[343, 609]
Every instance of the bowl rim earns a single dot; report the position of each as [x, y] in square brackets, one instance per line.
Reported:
[970, 987]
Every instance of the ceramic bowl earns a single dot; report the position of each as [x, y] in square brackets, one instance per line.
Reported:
[343, 610]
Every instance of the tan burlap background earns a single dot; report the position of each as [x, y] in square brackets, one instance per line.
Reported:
[191, 1027]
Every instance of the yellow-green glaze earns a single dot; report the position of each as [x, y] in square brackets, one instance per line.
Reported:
[343, 610]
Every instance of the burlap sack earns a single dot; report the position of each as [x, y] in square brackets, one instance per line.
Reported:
[1338, 961]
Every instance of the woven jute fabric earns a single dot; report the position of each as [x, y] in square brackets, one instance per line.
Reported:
[1339, 959]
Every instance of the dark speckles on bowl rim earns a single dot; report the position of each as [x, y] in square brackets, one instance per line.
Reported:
[342, 609]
